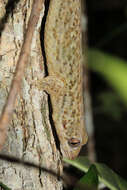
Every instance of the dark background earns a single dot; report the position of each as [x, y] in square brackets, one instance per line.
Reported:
[107, 31]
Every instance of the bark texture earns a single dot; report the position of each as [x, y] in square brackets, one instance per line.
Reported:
[30, 136]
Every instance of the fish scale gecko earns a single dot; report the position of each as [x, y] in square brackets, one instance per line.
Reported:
[62, 42]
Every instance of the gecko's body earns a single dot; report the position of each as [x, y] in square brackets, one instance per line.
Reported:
[64, 61]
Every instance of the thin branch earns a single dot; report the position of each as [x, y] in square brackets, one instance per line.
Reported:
[69, 179]
[18, 161]
[22, 62]
[87, 97]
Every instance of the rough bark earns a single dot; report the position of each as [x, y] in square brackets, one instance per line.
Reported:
[30, 136]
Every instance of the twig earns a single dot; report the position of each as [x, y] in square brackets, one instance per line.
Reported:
[68, 179]
[87, 96]
[22, 62]
[89, 116]
[18, 161]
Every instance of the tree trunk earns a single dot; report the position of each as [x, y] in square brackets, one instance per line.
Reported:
[30, 136]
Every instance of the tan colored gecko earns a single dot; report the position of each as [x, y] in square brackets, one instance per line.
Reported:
[62, 40]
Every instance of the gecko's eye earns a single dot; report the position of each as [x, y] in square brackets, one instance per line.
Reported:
[74, 142]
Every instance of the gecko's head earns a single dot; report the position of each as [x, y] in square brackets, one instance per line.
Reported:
[70, 128]
[72, 146]
[74, 136]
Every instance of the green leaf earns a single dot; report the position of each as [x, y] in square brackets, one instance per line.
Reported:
[105, 174]
[81, 162]
[89, 180]
[113, 69]
[110, 178]
[4, 187]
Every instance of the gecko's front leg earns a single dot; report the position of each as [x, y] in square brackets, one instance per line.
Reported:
[52, 85]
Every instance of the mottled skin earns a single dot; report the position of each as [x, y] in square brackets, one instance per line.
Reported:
[64, 84]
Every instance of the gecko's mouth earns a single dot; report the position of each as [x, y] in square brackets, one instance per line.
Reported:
[74, 142]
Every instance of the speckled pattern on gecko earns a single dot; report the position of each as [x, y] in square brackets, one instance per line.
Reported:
[62, 40]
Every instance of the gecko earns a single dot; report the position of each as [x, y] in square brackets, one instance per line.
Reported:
[62, 44]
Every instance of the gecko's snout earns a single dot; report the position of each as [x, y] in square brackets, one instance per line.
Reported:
[74, 142]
